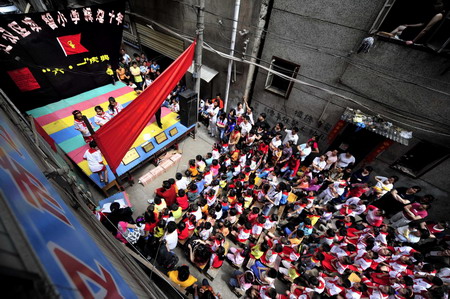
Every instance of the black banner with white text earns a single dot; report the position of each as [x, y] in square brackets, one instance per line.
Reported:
[49, 56]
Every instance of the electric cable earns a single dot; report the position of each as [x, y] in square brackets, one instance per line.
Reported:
[301, 82]
[344, 55]
[348, 60]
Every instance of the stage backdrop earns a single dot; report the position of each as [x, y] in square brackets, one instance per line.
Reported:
[46, 57]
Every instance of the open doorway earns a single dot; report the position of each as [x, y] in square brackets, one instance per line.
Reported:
[161, 59]
[360, 142]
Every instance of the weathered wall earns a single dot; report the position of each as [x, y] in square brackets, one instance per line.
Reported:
[323, 36]
[394, 80]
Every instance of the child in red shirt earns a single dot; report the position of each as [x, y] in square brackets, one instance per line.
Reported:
[182, 200]
[183, 231]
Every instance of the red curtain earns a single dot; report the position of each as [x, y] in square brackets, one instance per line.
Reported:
[117, 136]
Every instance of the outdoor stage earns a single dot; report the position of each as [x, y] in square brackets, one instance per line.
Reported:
[57, 120]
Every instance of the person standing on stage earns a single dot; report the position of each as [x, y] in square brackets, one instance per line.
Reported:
[114, 107]
[101, 117]
[158, 117]
[137, 77]
[79, 125]
[95, 162]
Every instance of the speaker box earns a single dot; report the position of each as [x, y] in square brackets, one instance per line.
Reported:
[188, 107]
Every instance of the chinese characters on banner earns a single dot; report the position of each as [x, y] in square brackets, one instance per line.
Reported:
[381, 147]
[304, 122]
[86, 60]
[43, 54]
[16, 32]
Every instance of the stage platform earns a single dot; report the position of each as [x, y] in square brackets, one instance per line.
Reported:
[57, 120]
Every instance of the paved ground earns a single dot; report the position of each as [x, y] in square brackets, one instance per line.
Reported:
[189, 149]
[139, 194]
[201, 145]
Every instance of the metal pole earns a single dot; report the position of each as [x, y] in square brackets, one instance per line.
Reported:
[256, 45]
[198, 51]
[233, 42]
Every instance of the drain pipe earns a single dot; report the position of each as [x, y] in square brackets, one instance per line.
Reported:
[256, 46]
[237, 5]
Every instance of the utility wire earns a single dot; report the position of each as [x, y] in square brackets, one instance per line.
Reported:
[318, 19]
[301, 82]
[344, 55]
[211, 49]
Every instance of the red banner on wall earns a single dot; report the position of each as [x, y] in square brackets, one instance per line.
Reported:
[381, 147]
[335, 131]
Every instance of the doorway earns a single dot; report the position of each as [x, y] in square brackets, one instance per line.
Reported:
[360, 142]
[161, 59]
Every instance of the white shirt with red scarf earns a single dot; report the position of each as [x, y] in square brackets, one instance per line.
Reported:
[257, 228]
[101, 119]
[81, 126]
[332, 287]
[94, 159]
[117, 108]
[244, 234]
[321, 287]
[352, 293]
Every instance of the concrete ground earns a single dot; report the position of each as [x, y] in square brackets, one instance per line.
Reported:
[201, 145]
[139, 194]
[188, 148]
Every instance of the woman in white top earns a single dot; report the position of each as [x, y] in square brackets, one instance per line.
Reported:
[319, 163]
[383, 185]
[345, 159]
[249, 113]
[332, 158]
[239, 109]
[95, 162]
[213, 112]
[114, 107]
[101, 117]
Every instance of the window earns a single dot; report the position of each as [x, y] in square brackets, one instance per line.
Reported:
[277, 84]
[421, 158]
[422, 22]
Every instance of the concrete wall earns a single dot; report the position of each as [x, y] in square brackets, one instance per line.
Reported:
[218, 27]
[322, 36]
[392, 79]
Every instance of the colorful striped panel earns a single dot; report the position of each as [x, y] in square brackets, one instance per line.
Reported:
[57, 121]
[51, 108]
[67, 121]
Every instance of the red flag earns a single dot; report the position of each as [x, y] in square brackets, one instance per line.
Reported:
[117, 136]
[71, 44]
[24, 79]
